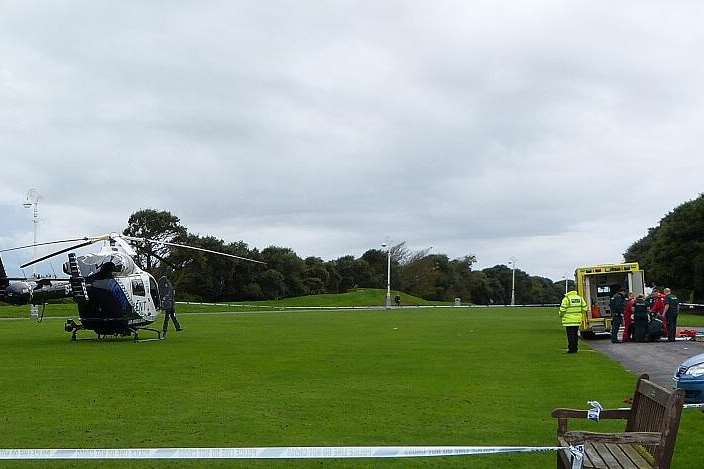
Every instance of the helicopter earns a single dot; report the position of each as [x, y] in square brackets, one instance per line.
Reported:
[34, 290]
[115, 297]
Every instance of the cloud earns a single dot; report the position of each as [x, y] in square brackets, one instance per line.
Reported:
[552, 132]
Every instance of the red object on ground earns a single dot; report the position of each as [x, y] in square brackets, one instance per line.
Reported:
[628, 319]
[691, 333]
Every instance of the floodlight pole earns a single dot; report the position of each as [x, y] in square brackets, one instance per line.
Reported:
[33, 203]
[513, 280]
[388, 275]
[565, 284]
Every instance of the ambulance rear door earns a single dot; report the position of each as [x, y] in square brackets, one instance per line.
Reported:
[636, 282]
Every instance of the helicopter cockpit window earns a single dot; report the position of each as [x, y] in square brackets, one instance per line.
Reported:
[138, 287]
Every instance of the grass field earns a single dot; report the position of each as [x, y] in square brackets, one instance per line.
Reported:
[408, 377]
[357, 297]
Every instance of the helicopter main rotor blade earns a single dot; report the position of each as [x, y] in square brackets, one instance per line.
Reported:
[70, 248]
[155, 255]
[165, 243]
[44, 244]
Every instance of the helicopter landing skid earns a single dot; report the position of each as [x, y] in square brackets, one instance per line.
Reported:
[159, 335]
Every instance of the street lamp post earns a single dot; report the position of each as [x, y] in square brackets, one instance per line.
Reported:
[33, 202]
[388, 274]
[513, 260]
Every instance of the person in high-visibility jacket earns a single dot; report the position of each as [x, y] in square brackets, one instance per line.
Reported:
[572, 308]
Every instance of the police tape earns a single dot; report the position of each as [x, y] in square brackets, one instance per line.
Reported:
[294, 452]
[693, 406]
[684, 406]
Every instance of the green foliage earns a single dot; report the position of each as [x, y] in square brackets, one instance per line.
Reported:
[672, 254]
[202, 277]
[157, 225]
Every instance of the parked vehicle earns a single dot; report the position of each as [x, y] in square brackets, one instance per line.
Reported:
[597, 284]
[690, 378]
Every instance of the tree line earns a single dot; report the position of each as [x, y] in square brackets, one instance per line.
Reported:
[202, 277]
[672, 253]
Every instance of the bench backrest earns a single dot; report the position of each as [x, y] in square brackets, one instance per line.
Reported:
[656, 409]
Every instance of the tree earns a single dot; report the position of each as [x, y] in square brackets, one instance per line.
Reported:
[291, 267]
[316, 276]
[504, 276]
[153, 224]
[672, 254]
[421, 275]
[362, 273]
[479, 289]
[273, 284]
[377, 261]
[201, 276]
[334, 278]
[345, 269]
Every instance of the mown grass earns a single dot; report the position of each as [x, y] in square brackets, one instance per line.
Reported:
[689, 319]
[408, 377]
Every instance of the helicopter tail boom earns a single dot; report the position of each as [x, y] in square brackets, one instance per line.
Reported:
[4, 282]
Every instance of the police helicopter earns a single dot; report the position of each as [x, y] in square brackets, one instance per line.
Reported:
[115, 297]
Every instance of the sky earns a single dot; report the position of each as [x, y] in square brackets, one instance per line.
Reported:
[554, 132]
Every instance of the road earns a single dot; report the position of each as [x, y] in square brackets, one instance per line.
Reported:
[660, 360]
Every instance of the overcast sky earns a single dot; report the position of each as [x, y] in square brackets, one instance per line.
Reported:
[553, 131]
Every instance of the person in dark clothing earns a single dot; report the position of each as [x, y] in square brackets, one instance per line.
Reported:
[617, 305]
[655, 327]
[672, 308]
[640, 319]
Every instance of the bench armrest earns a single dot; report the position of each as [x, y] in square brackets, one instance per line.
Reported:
[563, 414]
[643, 438]
[582, 414]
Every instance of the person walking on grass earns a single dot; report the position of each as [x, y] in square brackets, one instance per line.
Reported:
[572, 308]
[617, 306]
[672, 307]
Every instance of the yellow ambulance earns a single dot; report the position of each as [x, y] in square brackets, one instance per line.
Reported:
[597, 284]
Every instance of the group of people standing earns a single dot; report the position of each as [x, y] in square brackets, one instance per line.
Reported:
[645, 319]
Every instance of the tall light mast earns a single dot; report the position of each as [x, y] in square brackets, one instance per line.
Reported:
[388, 274]
[32, 202]
[513, 260]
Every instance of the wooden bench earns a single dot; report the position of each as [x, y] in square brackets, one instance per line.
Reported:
[649, 438]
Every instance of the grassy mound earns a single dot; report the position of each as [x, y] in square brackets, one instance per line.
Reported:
[357, 297]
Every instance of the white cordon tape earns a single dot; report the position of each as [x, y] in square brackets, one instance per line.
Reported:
[693, 406]
[296, 452]
[684, 406]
